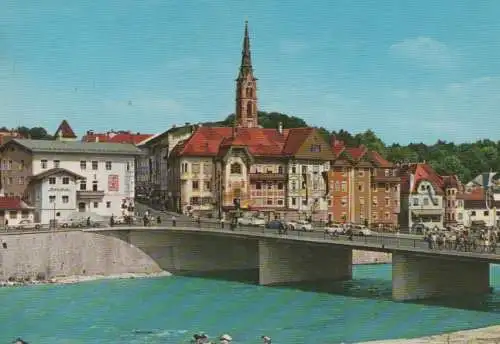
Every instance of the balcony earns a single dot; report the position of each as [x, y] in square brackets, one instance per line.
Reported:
[267, 176]
[89, 195]
[385, 179]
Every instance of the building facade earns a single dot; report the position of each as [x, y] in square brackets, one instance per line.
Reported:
[13, 211]
[107, 169]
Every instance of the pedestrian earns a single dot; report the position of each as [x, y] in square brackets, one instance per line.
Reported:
[198, 221]
[88, 221]
[222, 223]
[112, 221]
[174, 221]
[145, 220]
[158, 220]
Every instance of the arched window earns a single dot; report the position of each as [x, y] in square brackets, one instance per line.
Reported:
[235, 168]
[249, 109]
[249, 92]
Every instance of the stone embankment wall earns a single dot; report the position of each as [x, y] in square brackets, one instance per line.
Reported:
[69, 253]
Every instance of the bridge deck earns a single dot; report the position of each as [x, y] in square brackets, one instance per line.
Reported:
[375, 242]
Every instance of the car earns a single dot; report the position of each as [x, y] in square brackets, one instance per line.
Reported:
[72, 223]
[251, 221]
[281, 226]
[334, 229]
[301, 225]
[361, 230]
[28, 224]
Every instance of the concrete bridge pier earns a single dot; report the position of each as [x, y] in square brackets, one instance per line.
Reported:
[284, 262]
[417, 277]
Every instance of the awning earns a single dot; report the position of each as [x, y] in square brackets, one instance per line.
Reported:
[424, 212]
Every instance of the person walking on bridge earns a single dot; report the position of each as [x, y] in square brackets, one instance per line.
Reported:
[174, 221]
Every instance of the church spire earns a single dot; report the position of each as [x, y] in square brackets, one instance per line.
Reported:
[246, 56]
[246, 88]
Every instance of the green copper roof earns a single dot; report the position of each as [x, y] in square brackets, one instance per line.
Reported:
[54, 146]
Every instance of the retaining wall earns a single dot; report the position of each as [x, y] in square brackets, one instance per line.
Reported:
[69, 253]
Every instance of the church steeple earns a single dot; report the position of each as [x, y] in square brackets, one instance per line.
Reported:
[246, 88]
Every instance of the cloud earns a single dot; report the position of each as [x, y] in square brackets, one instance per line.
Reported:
[290, 47]
[426, 52]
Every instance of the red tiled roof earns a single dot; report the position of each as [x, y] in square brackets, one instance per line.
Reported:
[205, 141]
[474, 195]
[116, 137]
[379, 160]
[11, 203]
[295, 139]
[356, 152]
[65, 130]
[421, 171]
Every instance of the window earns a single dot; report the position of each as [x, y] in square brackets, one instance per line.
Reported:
[195, 185]
[361, 173]
[387, 173]
[294, 201]
[280, 169]
[294, 169]
[387, 201]
[387, 216]
[57, 163]
[65, 199]
[361, 201]
[43, 164]
[235, 168]
[294, 185]
[460, 216]
[96, 205]
[337, 186]
[374, 200]
[344, 186]
[473, 213]
[258, 186]
[83, 185]
[83, 165]
[195, 168]
[21, 180]
[387, 188]
[109, 165]
[304, 169]
[486, 213]
[269, 201]
[426, 201]
[21, 165]
[206, 186]
[25, 214]
[108, 204]
[269, 186]
[94, 185]
[249, 110]
[315, 148]
[360, 187]
[13, 214]
[95, 165]
[10, 180]
[344, 201]
[280, 202]
[329, 202]
[280, 186]
[52, 199]
[304, 202]
[415, 201]
[52, 180]
[194, 201]
[65, 180]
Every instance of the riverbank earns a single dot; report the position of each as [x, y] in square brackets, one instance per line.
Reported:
[82, 278]
[476, 336]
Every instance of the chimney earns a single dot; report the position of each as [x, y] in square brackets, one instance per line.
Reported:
[280, 127]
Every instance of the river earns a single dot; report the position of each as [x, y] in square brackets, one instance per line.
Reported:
[171, 309]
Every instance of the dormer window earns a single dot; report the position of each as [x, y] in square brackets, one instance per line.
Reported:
[235, 168]
[315, 148]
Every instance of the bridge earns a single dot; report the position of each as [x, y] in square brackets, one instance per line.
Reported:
[418, 272]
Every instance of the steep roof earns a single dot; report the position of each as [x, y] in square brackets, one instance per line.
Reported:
[295, 140]
[64, 130]
[421, 172]
[205, 141]
[53, 171]
[259, 141]
[12, 203]
[131, 138]
[75, 147]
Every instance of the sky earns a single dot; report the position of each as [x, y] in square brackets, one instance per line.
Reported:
[412, 71]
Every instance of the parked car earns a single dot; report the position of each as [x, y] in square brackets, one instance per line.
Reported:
[27, 224]
[279, 225]
[361, 230]
[72, 223]
[301, 225]
[251, 221]
[334, 229]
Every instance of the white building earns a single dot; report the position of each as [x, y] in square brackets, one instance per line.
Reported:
[426, 206]
[103, 173]
[61, 185]
[472, 210]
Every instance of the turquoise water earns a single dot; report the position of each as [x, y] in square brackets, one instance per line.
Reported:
[171, 309]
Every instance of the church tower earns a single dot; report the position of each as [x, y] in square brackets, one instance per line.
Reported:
[246, 89]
